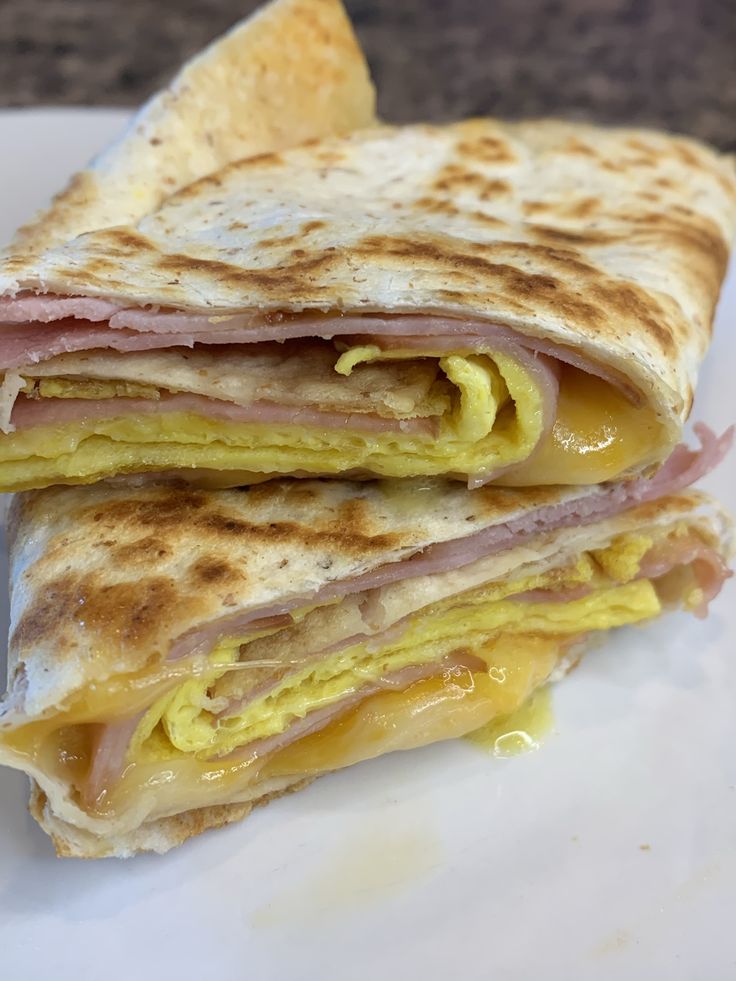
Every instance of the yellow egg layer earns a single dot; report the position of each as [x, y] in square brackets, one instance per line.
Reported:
[495, 421]
[470, 624]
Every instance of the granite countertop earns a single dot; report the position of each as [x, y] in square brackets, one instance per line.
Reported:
[668, 63]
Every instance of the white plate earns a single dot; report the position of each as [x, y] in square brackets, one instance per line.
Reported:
[440, 863]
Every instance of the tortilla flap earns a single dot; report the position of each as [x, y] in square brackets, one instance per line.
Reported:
[227, 551]
[291, 72]
[106, 578]
[159, 836]
[611, 242]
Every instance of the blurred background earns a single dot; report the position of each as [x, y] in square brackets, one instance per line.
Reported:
[669, 63]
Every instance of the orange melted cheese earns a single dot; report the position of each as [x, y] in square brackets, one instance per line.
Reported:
[598, 435]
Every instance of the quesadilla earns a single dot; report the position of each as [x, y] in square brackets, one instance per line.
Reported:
[292, 72]
[178, 655]
[521, 303]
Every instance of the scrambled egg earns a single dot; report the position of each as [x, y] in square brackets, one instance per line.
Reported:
[495, 420]
[189, 720]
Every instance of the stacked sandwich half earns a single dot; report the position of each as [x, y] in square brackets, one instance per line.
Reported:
[333, 438]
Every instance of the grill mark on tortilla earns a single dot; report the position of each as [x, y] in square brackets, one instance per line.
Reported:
[126, 612]
[354, 534]
[144, 550]
[209, 570]
[485, 148]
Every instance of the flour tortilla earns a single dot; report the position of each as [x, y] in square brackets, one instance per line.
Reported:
[610, 242]
[291, 72]
[327, 529]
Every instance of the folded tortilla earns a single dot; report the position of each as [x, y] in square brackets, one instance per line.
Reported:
[178, 655]
[291, 72]
[522, 303]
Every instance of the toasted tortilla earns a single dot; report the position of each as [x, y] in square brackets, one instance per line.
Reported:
[291, 72]
[105, 581]
[612, 243]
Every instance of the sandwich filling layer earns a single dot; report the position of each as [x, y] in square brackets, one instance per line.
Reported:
[474, 407]
[329, 689]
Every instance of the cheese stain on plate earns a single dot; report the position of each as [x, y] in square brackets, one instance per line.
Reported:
[521, 731]
[371, 866]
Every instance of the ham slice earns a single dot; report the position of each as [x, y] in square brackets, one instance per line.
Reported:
[109, 749]
[319, 718]
[47, 307]
[20, 345]
[709, 569]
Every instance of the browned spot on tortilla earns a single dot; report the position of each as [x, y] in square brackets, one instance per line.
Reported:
[329, 156]
[484, 218]
[548, 233]
[124, 242]
[534, 207]
[697, 239]
[126, 612]
[653, 154]
[259, 160]
[212, 570]
[580, 149]
[294, 493]
[58, 222]
[147, 549]
[279, 242]
[457, 262]
[312, 226]
[562, 254]
[493, 189]
[632, 301]
[486, 149]
[162, 510]
[345, 540]
[582, 207]
[435, 205]
[686, 154]
[569, 208]
[295, 276]
[453, 178]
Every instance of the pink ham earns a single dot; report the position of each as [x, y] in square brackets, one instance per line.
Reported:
[19, 345]
[24, 345]
[709, 568]
[28, 413]
[109, 749]
[46, 307]
[320, 718]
